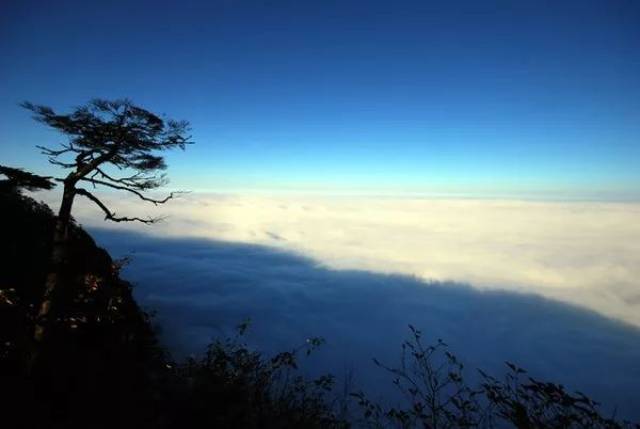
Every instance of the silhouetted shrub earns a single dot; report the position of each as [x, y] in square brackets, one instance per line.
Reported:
[234, 386]
[432, 381]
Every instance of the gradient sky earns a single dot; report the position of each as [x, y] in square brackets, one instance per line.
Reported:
[482, 97]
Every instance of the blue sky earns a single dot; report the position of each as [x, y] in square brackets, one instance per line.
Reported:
[481, 97]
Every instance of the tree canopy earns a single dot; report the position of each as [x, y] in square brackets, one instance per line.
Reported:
[113, 144]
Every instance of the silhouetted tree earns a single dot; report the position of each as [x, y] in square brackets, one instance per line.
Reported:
[112, 144]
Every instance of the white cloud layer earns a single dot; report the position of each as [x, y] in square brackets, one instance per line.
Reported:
[202, 288]
[220, 258]
[583, 253]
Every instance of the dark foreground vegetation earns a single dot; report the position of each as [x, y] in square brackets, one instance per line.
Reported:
[100, 364]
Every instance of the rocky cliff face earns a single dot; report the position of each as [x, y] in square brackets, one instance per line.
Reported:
[99, 358]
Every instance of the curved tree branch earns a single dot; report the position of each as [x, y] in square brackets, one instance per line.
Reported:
[60, 163]
[50, 152]
[133, 191]
[137, 180]
[109, 215]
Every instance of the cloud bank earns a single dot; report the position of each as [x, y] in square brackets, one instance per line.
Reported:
[583, 253]
[358, 270]
[202, 288]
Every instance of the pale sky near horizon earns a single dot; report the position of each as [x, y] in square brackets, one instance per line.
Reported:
[491, 98]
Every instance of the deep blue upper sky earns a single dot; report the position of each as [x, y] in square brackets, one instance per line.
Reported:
[488, 97]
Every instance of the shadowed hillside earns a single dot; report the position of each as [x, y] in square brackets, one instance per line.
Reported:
[100, 356]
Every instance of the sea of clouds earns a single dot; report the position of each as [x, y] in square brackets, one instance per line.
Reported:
[553, 286]
[584, 253]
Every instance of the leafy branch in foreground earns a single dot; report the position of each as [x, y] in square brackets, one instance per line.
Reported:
[248, 389]
[432, 382]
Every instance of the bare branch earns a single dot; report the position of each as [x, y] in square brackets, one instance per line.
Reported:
[136, 180]
[109, 215]
[50, 152]
[53, 154]
[133, 191]
[60, 163]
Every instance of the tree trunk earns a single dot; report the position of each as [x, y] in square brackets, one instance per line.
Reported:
[58, 258]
